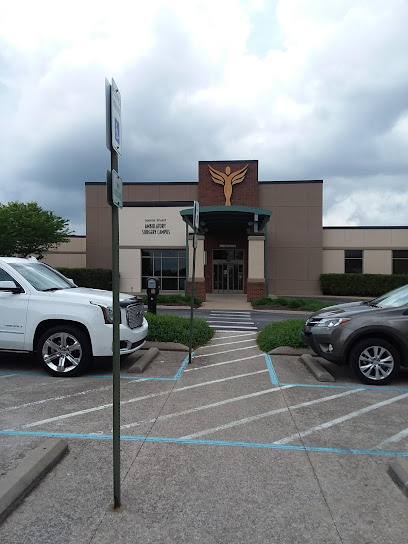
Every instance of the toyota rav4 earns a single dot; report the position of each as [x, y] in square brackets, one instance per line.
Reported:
[66, 326]
[370, 336]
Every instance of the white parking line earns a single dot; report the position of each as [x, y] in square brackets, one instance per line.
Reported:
[233, 328]
[228, 343]
[204, 407]
[340, 419]
[267, 414]
[238, 321]
[244, 333]
[224, 363]
[221, 352]
[137, 399]
[62, 397]
[392, 439]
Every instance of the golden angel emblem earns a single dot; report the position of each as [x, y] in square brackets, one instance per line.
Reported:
[228, 180]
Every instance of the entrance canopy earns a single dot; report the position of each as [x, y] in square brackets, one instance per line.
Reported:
[216, 217]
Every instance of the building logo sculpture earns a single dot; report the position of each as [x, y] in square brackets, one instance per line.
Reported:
[228, 180]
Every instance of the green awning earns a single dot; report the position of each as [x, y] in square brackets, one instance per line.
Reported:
[216, 217]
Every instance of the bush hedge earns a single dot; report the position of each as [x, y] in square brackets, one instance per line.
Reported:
[361, 285]
[97, 278]
[175, 300]
[308, 305]
[282, 333]
[170, 328]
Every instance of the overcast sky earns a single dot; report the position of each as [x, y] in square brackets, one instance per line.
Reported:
[312, 89]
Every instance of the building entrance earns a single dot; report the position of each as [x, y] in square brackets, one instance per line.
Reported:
[228, 271]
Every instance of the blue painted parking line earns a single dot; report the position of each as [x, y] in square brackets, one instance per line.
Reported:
[272, 373]
[362, 387]
[183, 365]
[167, 440]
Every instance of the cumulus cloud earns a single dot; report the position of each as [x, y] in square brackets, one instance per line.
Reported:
[312, 89]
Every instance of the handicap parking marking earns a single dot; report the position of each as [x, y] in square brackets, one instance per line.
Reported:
[212, 411]
[341, 419]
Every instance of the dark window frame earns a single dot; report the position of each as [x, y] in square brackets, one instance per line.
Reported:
[153, 259]
[400, 261]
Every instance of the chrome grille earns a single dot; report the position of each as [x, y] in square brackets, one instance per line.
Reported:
[312, 321]
[134, 315]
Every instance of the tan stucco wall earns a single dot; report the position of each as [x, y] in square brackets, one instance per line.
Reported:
[333, 261]
[294, 236]
[256, 252]
[70, 254]
[377, 245]
[359, 238]
[159, 227]
[377, 261]
[199, 264]
[130, 270]
[98, 214]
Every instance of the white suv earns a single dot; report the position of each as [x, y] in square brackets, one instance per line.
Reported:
[44, 312]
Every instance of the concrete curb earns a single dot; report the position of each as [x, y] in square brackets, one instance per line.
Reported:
[165, 346]
[286, 350]
[398, 470]
[316, 369]
[141, 364]
[17, 483]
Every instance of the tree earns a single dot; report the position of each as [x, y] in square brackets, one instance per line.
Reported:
[27, 229]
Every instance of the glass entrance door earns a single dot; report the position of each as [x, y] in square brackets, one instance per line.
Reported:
[228, 277]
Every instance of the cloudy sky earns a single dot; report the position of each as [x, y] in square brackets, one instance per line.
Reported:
[313, 89]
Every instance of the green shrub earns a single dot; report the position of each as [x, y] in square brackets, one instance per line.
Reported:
[283, 333]
[308, 305]
[296, 303]
[279, 301]
[97, 278]
[176, 300]
[361, 285]
[169, 328]
[264, 301]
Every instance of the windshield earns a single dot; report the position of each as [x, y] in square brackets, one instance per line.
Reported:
[395, 298]
[41, 276]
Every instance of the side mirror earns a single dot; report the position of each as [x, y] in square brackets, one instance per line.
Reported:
[10, 286]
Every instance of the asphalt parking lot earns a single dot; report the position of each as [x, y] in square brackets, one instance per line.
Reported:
[238, 446]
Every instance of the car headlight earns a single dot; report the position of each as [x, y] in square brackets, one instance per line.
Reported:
[334, 322]
[107, 312]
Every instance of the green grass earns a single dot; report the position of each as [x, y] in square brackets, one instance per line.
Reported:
[283, 333]
[176, 300]
[309, 305]
[169, 328]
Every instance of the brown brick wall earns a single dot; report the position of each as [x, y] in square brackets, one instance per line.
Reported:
[255, 290]
[243, 194]
[199, 289]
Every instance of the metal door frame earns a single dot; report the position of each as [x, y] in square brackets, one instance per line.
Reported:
[227, 265]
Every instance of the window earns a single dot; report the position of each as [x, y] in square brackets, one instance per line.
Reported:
[400, 261]
[353, 261]
[228, 254]
[169, 265]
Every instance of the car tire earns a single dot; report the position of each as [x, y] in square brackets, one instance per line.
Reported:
[64, 351]
[374, 361]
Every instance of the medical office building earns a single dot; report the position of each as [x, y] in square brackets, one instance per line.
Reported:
[255, 237]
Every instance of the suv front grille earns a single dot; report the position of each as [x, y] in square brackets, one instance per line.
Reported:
[134, 315]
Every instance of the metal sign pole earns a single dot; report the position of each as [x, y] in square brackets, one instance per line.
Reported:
[195, 228]
[114, 197]
[116, 346]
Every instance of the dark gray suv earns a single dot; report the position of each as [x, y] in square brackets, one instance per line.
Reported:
[372, 337]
